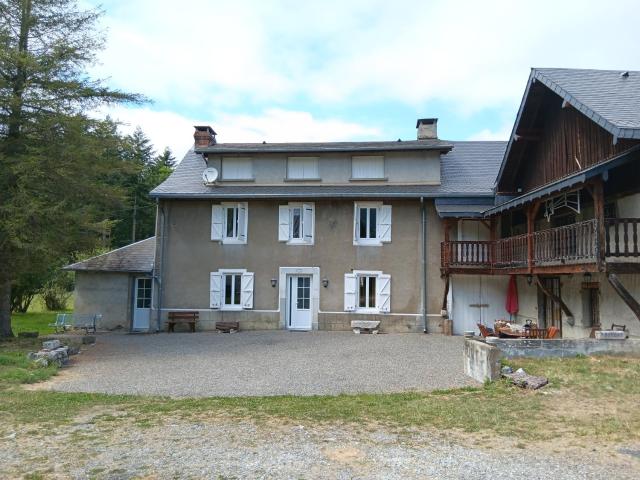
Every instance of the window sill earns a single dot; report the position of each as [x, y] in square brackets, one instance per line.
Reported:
[299, 242]
[302, 180]
[365, 311]
[380, 179]
[367, 243]
[231, 308]
[232, 241]
[237, 180]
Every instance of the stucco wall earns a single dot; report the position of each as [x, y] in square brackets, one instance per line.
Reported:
[105, 293]
[612, 308]
[400, 167]
[190, 256]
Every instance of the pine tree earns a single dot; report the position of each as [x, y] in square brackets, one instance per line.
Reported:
[53, 158]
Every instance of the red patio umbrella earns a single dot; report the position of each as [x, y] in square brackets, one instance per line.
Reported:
[511, 304]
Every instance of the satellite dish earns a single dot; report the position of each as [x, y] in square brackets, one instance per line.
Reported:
[209, 176]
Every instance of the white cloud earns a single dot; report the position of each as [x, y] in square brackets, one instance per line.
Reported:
[487, 134]
[273, 125]
[474, 54]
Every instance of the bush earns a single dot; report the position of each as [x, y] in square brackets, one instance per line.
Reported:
[58, 290]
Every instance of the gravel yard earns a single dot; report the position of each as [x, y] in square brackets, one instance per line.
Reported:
[265, 363]
[99, 447]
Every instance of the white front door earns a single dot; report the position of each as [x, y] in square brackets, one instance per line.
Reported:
[299, 302]
[142, 304]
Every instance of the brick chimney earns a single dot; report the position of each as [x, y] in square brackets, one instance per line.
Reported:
[204, 136]
[427, 128]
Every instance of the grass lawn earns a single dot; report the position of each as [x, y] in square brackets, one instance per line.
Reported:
[588, 399]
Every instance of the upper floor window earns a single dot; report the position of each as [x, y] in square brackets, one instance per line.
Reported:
[372, 223]
[367, 167]
[229, 222]
[302, 168]
[296, 223]
[237, 168]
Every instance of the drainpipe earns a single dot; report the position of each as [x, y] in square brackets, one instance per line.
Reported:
[423, 213]
[160, 236]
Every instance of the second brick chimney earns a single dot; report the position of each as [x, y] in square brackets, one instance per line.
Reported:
[204, 136]
[427, 128]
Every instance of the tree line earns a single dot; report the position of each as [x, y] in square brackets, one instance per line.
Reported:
[71, 184]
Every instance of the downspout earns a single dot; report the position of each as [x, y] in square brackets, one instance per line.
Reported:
[158, 274]
[423, 213]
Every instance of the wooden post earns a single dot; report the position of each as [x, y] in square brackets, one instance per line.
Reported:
[493, 235]
[532, 211]
[598, 208]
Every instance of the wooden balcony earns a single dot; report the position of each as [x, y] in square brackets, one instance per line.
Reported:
[569, 248]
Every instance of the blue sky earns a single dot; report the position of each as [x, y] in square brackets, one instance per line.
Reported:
[347, 70]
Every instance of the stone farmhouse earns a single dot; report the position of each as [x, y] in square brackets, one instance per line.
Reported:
[411, 233]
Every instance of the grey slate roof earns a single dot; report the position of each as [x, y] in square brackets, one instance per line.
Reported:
[470, 168]
[320, 147]
[606, 96]
[136, 258]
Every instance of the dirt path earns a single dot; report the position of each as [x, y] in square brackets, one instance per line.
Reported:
[109, 444]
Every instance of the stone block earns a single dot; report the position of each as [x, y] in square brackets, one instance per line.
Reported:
[365, 324]
[51, 344]
[481, 361]
[610, 335]
[28, 334]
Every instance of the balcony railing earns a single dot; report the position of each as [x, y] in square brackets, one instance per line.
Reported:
[574, 243]
[570, 244]
[621, 237]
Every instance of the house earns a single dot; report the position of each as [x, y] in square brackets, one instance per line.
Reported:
[301, 236]
[566, 214]
[307, 236]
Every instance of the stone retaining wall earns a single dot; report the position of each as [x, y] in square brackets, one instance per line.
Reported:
[563, 347]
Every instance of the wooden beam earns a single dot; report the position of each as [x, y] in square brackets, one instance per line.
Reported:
[626, 297]
[598, 207]
[550, 294]
[444, 312]
[532, 211]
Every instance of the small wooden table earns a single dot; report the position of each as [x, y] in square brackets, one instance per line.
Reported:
[505, 332]
[182, 317]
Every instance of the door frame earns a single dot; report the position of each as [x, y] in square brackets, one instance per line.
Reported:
[134, 297]
[289, 302]
[545, 303]
[284, 273]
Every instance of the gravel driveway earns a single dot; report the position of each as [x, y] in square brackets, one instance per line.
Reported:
[265, 363]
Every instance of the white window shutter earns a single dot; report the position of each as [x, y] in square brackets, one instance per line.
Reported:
[242, 222]
[283, 223]
[246, 297]
[215, 290]
[307, 222]
[383, 295]
[356, 223]
[384, 223]
[217, 217]
[350, 290]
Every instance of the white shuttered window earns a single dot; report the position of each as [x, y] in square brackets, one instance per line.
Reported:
[372, 223]
[237, 168]
[367, 167]
[229, 222]
[367, 292]
[302, 168]
[231, 290]
[296, 223]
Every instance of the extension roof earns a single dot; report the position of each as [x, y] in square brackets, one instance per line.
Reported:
[134, 258]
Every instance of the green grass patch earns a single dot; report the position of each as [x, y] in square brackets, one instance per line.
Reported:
[33, 322]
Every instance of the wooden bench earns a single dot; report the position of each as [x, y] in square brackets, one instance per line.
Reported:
[228, 327]
[182, 317]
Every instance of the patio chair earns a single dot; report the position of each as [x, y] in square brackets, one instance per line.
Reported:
[552, 332]
[62, 323]
[486, 331]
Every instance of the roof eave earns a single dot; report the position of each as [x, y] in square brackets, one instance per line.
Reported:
[445, 147]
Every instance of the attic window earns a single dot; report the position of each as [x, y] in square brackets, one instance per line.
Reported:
[237, 168]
